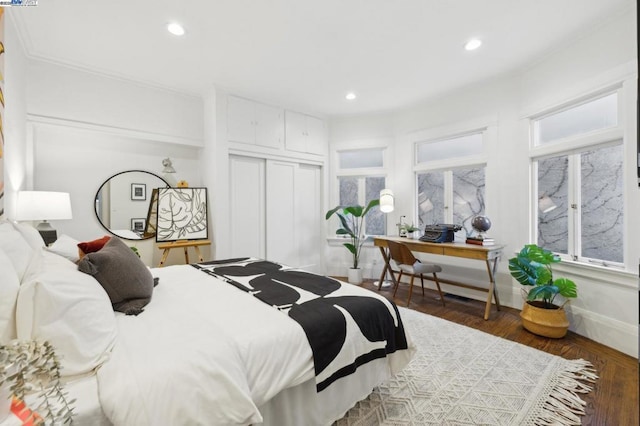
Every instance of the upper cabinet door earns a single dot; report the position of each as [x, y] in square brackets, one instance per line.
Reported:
[254, 123]
[240, 120]
[316, 136]
[296, 130]
[269, 126]
[305, 133]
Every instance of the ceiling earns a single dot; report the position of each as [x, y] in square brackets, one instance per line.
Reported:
[308, 54]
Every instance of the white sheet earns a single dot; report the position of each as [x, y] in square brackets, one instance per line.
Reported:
[204, 352]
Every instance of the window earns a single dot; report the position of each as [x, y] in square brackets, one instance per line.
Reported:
[361, 177]
[454, 190]
[596, 114]
[361, 190]
[361, 158]
[580, 209]
[455, 147]
[580, 204]
[451, 196]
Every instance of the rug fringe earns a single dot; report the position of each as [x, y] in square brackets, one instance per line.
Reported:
[564, 406]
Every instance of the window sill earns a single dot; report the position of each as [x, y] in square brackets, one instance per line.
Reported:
[336, 241]
[611, 275]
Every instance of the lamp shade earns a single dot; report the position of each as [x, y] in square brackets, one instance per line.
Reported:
[43, 205]
[386, 201]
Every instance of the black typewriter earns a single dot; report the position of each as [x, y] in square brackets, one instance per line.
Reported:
[439, 233]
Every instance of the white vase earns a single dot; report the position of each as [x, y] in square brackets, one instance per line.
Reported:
[354, 275]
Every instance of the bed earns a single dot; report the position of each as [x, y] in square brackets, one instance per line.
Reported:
[239, 341]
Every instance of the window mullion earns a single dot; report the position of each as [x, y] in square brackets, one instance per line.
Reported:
[574, 246]
[448, 196]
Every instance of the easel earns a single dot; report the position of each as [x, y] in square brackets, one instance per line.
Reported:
[185, 244]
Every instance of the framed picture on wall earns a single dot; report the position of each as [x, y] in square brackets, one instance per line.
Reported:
[138, 225]
[138, 191]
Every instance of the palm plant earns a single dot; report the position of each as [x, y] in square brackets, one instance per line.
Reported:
[532, 267]
[351, 224]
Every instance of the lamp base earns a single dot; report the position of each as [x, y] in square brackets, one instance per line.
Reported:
[48, 235]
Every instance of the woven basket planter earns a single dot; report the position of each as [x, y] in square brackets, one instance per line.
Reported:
[544, 322]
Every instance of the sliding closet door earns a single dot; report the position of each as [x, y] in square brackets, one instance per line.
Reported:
[309, 217]
[281, 213]
[247, 206]
[276, 211]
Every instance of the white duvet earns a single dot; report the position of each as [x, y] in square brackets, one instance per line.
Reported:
[202, 352]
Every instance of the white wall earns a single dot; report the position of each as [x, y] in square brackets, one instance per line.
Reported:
[81, 128]
[14, 125]
[607, 307]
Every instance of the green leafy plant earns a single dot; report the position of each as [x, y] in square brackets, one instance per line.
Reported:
[32, 367]
[135, 250]
[411, 228]
[532, 267]
[351, 224]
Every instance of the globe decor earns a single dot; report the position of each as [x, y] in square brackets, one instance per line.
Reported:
[481, 224]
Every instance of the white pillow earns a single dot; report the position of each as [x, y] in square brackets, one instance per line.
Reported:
[65, 246]
[71, 310]
[16, 248]
[30, 235]
[9, 286]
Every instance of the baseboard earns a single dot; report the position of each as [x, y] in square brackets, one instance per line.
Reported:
[610, 332]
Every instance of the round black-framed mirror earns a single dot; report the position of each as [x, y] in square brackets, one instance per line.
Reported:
[125, 204]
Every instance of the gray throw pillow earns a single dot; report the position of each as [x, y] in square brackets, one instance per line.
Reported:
[127, 281]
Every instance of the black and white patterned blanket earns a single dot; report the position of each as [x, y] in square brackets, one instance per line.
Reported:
[346, 326]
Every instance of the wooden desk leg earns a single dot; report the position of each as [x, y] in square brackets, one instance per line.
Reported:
[165, 254]
[200, 258]
[186, 256]
[385, 256]
[493, 291]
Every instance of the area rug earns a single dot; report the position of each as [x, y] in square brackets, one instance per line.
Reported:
[462, 376]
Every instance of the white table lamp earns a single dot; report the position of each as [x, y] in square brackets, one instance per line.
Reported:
[44, 206]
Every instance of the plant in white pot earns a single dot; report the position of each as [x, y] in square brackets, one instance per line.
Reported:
[351, 225]
[30, 369]
[540, 315]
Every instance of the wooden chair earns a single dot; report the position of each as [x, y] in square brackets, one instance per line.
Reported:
[408, 264]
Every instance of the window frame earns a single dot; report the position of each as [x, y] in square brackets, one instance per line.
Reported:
[361, 174]
[447, 166]
[573, 147]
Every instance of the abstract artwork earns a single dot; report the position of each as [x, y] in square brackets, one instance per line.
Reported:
[182, 214]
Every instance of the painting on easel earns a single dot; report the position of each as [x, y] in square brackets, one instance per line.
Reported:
[152, 215]
[182, 214]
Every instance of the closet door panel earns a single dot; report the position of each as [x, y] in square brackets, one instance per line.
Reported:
[309, 217]
[281, 214]
[247, 206]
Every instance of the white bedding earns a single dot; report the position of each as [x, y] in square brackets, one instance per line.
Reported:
[204, 352]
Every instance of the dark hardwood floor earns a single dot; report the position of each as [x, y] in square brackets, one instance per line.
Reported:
[614, 398]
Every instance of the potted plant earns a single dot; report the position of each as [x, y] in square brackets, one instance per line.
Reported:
[540, 315]
[351, 225]
[32, 367]
[412, 231]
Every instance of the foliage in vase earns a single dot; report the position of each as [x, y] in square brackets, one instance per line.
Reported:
[532, 267]
[351, 225]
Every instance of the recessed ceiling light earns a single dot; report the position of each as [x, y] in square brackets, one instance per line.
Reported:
[350, 96]
[175, 29]
[473, 44]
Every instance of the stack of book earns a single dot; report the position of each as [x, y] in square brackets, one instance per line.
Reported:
[480, 241]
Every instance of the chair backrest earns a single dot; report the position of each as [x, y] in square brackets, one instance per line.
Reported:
[400, 253]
